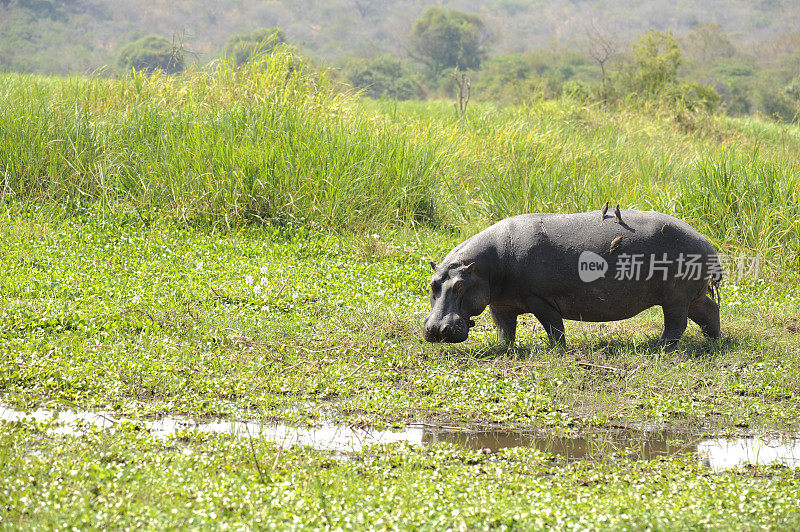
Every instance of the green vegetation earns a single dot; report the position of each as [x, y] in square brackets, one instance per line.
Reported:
[657, 57]
[382, 77]
[151, 53]
[105, 311]
[237, 145]
[133, 210]
[443, 39]
[106, 480]
[108, 311]
[243, 47]
[516, 52]
[517, 79]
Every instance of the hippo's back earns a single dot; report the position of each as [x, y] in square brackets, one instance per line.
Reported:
[595, 268]
[587, 231]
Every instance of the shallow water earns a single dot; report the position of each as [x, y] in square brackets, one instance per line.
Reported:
[715, 453]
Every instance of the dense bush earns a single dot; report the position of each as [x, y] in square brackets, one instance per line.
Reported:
[151, 53]
[517, 78]
[696, 97]
[243, 47]
[382, 77]
[781, 102]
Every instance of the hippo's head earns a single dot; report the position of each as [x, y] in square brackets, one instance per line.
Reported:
[458, 292]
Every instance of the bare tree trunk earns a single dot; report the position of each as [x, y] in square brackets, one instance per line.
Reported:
[464, 85]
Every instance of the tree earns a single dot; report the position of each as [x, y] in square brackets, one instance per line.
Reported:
[602, 47]
[150, 53]
[707, 42]
[657, 57]
[364, 7]
[447, 39]
[242, 47]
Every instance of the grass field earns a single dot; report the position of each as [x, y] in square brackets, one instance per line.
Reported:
[134, 211]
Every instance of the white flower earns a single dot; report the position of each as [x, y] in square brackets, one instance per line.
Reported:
[257, 289]
[249, 279]
[264, 281]
[136, 300]
[381, 292]
[200, 265]
[264, 270]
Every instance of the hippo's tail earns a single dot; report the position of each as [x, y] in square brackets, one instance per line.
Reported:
[714, 280]
[713, 289]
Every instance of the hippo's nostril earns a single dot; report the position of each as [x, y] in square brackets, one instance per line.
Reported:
[446, 330]
[431, 334]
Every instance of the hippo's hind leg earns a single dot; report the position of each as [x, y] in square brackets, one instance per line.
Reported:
[506, 322]
[550, 319]
[704, 311]
[675, 320]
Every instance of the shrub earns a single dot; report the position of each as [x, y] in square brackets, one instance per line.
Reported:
[517, 78]
[382, 77]
[657, 57]
[579, 90]
[242, 47]
[782, 103]
[151, 53]
[695, 96]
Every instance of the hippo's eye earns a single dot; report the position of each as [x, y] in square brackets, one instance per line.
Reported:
[458, 287]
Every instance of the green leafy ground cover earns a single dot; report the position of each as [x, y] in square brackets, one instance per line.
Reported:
[100, 311]
[128, 480]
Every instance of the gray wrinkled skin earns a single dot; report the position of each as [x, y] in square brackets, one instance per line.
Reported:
[530, 263]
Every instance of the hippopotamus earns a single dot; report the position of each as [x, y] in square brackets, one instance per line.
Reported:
[585, 266]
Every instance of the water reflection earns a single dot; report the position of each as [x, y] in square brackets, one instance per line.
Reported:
[722, 453]
[336, 438]
[715, 453]
[640, 444]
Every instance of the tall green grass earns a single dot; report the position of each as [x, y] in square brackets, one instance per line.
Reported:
[276, 141]
[273, 141]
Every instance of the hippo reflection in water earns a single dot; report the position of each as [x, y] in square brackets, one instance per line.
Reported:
[585, 266]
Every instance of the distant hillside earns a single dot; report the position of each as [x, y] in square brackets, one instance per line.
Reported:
[62, 36]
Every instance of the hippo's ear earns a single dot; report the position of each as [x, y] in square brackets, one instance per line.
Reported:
[433, 266]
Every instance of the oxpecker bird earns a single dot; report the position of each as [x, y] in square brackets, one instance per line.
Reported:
[618, 214]
[604, 211]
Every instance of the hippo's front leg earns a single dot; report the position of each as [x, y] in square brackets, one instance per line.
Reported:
[506, 322]
[550, 319]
